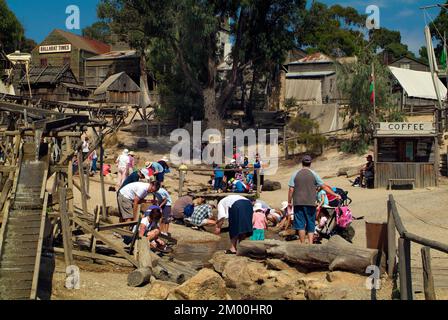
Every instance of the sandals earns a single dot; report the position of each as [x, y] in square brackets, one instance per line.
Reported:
[229, 252]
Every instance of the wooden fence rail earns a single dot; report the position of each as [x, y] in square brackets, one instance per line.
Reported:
[405, 240]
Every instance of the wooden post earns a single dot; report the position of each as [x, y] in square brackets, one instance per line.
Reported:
[65, 223]
[285, 143]
[258, 182]
[96, 224]
[428, 279]
[103, 190]
[404, 263]
[391, 241]
[181, 182]
[82, 183]
[71, 205]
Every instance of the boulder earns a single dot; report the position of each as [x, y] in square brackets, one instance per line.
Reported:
[271, 185]
[243, 272]
[160, 290]
[276, 264]
[206, 285]
[220, 259]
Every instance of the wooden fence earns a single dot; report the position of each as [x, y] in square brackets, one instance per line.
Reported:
[424, 174]
[405, 240]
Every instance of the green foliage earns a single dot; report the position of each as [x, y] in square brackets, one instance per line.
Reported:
[306, 130]
[11, 31]
[354, 83]
[98, 31]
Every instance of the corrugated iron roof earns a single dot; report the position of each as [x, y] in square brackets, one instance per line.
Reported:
[115, 55]
[104, 87]
[309, 74]
[314, 58]
[85, 43]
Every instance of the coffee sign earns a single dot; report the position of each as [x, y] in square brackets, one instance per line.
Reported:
[55, 48]
[405, 128]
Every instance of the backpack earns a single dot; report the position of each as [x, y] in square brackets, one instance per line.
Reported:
[343, 217]
[188, 211]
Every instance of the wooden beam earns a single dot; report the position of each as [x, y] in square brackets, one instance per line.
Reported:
[103, 188]
[391, 242]
[96, 256]
[39, 248]
[82, 182]
[112, 245]
[428, 279]
[116, 226]
[404, 263]
[66, 230]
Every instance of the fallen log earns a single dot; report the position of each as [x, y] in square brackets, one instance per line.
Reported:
[140, 277]
[336, 254]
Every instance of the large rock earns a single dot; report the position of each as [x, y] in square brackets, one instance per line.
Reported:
[206, 285]
[277, 264]
[220, 259]
[271, 185]
[160, 290]
[243, 272]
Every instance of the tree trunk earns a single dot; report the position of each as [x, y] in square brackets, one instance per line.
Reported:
[212, 115]
[139, 277]
[336, 254]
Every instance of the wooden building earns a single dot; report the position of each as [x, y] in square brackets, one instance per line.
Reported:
[118, 89]
[409, 63]
[62, 48]
[101, 67]
[415, 92]
[312, 80]
[54, 84]
[406, 153]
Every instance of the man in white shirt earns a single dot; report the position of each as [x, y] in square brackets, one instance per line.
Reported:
[239, 211]
[131, 196]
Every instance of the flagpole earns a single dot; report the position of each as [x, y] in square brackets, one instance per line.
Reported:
[374, 91]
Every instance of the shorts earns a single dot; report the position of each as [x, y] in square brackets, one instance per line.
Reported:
[166, 214]
[305, 218]
[126, 207]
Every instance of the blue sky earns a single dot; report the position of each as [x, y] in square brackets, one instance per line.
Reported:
[39, 17]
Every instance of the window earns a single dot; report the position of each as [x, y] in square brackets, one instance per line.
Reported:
[43, 62]
[406, 150]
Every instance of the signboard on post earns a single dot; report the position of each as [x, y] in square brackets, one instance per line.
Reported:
[55, 48]
[405, 128]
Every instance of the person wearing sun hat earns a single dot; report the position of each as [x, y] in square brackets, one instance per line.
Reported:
[122, 163]
[260, 223]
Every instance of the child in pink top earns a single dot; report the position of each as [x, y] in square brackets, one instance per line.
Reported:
[260, 223]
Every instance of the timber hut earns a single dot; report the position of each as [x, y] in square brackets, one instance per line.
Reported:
[53, 83]
[118, 89]
[406, 153]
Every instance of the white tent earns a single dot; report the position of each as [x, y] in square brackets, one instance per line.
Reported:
[418, 84]
[304, 91]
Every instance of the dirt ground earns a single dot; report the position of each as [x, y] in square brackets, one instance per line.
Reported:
[422, 211]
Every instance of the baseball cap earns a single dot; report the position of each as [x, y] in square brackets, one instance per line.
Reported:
[151, 209]
[369, 157]
[145, 172]
[126, 151]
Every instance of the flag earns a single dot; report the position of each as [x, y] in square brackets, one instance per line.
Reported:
[372, 89]
[443, 58]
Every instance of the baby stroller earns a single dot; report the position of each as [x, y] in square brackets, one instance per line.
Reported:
[338, 222]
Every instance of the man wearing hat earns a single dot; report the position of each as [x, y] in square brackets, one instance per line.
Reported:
[302, 198]
[136, 177]
[367, 172]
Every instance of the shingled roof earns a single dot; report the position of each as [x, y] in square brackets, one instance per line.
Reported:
[51, 75]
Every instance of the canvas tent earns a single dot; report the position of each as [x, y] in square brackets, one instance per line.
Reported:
[418, 84]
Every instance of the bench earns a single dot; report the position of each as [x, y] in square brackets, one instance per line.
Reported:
[392, 182]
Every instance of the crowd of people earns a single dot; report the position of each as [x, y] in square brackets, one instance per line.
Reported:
[239, 176]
